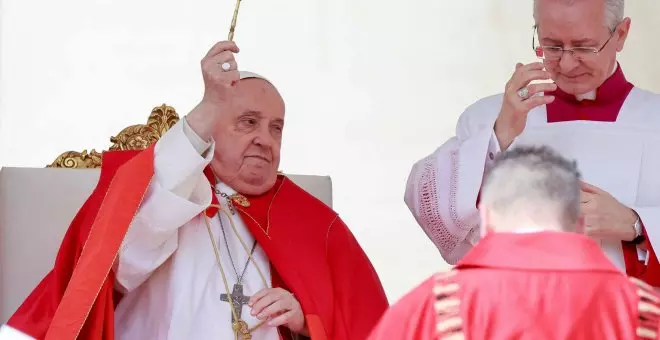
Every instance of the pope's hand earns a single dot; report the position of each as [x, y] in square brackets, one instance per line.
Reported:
[513, 114]
[220, 74]
[604, 216]
[280, 308]
[219, 80]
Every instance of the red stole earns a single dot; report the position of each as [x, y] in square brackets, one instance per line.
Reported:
[76, 299]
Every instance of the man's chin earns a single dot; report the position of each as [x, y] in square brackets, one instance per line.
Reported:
[253, 184]
[575, 88]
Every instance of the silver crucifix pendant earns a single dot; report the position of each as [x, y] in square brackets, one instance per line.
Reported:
[237, 299]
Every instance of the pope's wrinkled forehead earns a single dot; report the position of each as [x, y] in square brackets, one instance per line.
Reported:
[256, 94]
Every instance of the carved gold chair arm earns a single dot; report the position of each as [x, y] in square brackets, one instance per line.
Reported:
[134, 137]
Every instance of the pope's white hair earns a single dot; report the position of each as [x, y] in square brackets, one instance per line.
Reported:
[614, 10]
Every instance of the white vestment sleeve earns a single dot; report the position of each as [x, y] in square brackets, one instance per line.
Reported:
[8, 333]
[178, 192]
[442, 189]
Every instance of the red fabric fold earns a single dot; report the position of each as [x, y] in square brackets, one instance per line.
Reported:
[76, 299]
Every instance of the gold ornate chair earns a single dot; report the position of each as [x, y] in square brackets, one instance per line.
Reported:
[134, 137]
[37, 205]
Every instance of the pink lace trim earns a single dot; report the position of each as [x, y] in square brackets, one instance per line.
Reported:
[453, 189]
[431, 211]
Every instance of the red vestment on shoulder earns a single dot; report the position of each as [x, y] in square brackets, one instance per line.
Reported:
[312, 252]
[547, 285]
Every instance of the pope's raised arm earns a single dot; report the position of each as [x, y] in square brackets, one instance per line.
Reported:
[178, 182]
[179, 191]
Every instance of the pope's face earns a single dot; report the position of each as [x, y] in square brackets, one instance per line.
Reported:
[581, 24]
[249, 137]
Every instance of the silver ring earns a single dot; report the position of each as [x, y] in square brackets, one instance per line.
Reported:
[523, 93]
[226, 66]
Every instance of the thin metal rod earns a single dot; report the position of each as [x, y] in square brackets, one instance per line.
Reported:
[234, 18]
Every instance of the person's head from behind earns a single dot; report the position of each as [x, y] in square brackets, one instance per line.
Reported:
[531, 188]
[249, 137]
[595, 30]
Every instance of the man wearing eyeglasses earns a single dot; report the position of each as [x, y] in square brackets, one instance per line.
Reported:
[577, 100]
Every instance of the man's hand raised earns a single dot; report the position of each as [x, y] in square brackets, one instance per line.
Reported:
[220, 74]
[520, 98]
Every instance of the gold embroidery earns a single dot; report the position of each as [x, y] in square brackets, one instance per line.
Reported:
[449, 324]
[327, 233]
[640, 283]
[646, 333]
[648, 310]
[456, 336]
[447, 306]
[240, 200]
[134, 137]
[646, 295]
[446, 289]
[645, 307]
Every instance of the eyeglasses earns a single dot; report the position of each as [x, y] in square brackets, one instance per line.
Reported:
[554, 53]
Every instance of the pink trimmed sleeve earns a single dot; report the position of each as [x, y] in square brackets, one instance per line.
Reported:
[442, 188]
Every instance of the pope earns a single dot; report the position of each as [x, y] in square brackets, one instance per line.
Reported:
[199, 237]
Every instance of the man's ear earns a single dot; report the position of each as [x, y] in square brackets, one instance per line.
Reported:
[622, 34]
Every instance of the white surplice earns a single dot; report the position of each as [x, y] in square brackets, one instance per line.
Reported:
[9, 333]
[167, 267]
[622, 158]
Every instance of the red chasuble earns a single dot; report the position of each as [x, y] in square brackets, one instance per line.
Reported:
[548, 285]
[609, 99]
[312, 252]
